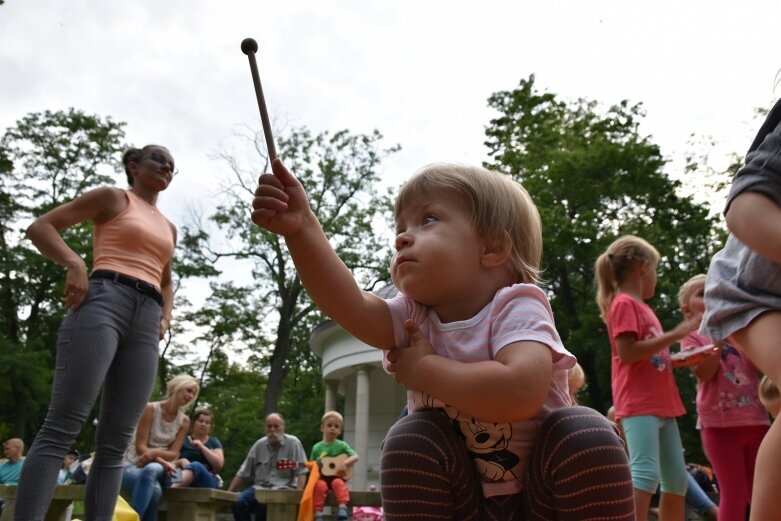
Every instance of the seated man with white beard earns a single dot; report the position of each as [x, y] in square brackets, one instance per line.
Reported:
[262, 469]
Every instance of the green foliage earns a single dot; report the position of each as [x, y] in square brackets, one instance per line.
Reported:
[593, 178]
[46, 159]
[263, 313]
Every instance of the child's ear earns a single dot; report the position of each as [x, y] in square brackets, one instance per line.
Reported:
[497, 252]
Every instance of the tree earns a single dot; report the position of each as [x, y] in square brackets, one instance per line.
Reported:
[46, 159]
[594, 177]
[271, 316]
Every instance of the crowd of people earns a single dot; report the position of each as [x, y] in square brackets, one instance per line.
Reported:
[469, 310]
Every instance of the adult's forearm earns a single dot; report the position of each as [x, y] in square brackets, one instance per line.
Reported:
[50, 243]
[215, 460]
[235, 484]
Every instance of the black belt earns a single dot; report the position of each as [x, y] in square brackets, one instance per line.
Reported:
[142, 287]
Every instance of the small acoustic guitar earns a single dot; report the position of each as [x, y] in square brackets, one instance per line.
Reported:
[327, 464]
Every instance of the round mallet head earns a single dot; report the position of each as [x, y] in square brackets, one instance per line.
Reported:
[249, 45]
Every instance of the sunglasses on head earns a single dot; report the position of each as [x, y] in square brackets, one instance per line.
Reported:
[162, 160]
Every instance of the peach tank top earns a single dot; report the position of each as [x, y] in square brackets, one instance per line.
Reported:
[138, 242]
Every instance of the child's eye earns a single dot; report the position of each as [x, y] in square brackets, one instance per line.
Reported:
[428, 218]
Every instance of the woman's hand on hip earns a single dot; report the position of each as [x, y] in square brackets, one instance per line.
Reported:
[76, 286]
[165, 325]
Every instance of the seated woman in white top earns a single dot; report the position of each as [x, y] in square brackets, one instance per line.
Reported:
[155, 446]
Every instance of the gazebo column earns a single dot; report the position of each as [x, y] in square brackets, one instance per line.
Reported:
[361, 426]
[331, 388]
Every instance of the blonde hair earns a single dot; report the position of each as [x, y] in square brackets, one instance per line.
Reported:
[15, 441]
[501, 209]
[768, 391]
[181, 381]
[576, 380]
[332, 414]
[621, 259]
[687, 290]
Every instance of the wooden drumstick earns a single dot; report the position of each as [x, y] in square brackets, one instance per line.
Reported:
[250, 47]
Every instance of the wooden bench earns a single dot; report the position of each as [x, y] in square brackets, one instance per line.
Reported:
[282, 505]
[194, 504]
[178, 504]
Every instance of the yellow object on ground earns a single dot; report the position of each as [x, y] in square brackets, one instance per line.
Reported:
[122, 512]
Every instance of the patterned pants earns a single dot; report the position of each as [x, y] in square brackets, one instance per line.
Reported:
[578, 471]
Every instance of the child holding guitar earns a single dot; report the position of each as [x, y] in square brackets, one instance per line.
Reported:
[333, 476]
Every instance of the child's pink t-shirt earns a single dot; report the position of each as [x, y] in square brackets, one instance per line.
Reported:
[730, 398]
[517, 313]
[645, 387]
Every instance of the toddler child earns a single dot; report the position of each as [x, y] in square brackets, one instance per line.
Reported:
[331, 426]
[491, 433]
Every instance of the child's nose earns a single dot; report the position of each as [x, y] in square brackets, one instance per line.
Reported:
[402, 240]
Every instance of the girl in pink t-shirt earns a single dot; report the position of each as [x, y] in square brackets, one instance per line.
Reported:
[644, 391]
[732, 420]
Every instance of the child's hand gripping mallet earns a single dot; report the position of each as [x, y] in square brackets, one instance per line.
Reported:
[250, 47]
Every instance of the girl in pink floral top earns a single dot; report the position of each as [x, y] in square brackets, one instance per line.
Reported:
[732, 420]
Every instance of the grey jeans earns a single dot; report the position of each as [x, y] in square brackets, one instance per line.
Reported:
[110, 341]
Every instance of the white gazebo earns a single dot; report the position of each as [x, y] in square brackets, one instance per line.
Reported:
[373, 401]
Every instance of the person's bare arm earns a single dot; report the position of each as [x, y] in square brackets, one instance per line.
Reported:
[235, 483]
[518, 380]
[707, 369]
[630, 349]
[167, 290]
[168, 466]
[215, 457]
[301, 481]
[755, 219]
[352, 460]
[341, 469]
[98, 206]
[171, 452]
[281, 206]
[145, 454]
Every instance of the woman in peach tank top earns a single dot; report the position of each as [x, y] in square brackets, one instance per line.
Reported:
[110, 336]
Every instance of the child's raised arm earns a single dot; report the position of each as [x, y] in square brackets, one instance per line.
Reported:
[281, 206]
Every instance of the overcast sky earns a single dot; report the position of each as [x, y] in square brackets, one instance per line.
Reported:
[420, 71]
